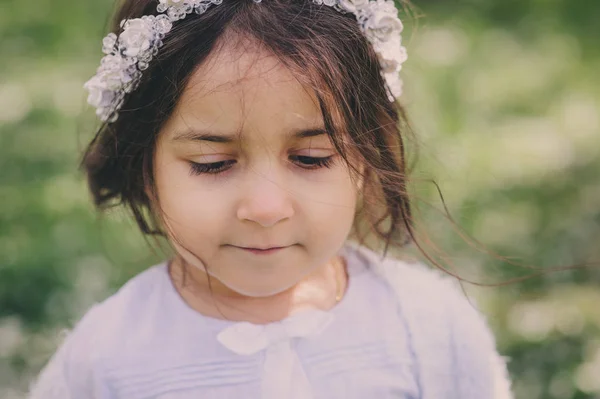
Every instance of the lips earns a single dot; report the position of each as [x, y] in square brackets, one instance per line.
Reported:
[262, 251]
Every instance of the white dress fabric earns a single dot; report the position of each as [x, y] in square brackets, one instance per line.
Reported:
[145, 342]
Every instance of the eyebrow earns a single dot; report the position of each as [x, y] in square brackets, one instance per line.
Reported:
[200, 135]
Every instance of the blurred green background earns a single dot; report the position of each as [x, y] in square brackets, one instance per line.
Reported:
[505, 99]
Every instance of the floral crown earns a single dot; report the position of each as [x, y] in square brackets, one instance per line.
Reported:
[129, 54]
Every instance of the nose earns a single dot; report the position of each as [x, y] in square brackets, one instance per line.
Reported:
[265, 200]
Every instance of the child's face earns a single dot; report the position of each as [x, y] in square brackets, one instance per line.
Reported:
[270, 192]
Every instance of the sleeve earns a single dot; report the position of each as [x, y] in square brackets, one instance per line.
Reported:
[474, 356]
[454, 349]
[71, 372]
[51, 382]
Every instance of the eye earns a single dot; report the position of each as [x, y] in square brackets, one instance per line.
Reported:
[210, 168]
[313, 162]
[303, 161]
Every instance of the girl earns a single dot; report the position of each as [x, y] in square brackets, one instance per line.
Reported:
[260, 139]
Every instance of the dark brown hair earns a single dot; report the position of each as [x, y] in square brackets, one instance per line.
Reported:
[324, 48]
[326, 51]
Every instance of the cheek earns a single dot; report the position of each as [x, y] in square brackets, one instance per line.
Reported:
[191, 210]
[332, 206]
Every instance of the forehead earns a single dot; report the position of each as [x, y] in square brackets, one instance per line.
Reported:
[245, 89]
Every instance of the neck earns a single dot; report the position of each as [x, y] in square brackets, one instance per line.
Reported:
[321, 289]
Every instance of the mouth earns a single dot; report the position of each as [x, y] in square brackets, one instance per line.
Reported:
[263, 251]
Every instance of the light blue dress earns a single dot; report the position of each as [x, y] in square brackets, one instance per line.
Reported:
[401, 331]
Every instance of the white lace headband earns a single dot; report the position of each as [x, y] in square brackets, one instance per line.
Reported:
[128, 54]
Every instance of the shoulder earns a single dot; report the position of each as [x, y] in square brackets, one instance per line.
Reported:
[75, 369]
[416, 284]
[134, 306]
[450, 335]
[70, 370]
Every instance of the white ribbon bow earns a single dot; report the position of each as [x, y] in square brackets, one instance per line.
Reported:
[245, 338]
[283, 375]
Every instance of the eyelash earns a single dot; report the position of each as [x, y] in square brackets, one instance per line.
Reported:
[218, 167]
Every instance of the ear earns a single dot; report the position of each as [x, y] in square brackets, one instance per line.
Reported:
[151, 197]
[146, 182]
[147, 192]
[360, 181]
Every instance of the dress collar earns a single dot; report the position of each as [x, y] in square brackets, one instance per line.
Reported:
[245, 338]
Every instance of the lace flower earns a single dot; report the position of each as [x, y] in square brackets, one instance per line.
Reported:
[353, 6]
[382, 22]
[130, 53]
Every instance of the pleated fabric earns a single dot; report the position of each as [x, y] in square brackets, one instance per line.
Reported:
[383, 340]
